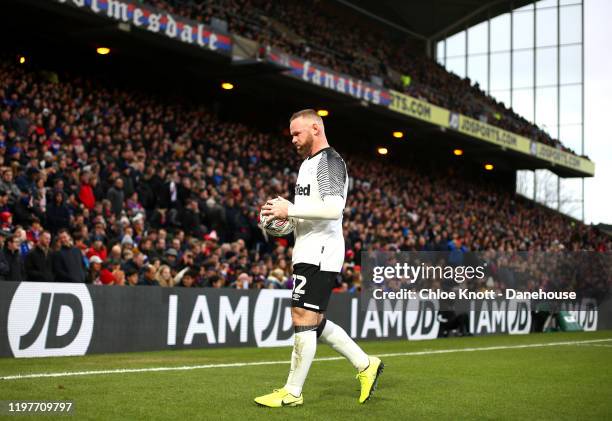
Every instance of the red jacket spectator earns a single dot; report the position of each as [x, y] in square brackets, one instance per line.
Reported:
[86, 196]
[102, 253]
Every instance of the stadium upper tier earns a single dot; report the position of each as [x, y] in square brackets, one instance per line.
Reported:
[348, 43]
[121, 168]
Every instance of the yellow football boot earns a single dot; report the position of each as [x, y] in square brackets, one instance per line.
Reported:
[279, 398]
[369, 378]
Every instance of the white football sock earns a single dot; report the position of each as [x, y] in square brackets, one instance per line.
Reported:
[336, 337]
[304, 349]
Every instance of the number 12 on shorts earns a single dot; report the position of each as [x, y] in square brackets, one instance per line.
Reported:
[298, 288]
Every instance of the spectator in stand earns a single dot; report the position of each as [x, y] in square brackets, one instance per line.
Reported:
[139, 261]
[116, 196]
[148, 276]
[97, 248]
[231, 172]
[191, 219]
[86, 193]
[164, 276]
[244, 281]
[119, 278]
[4, 264]
[35, 231]
[11, 262]
[95, 267]
[171, 258]
[216, 281]
[131, 277]
[58, 214]
[4, 207]
[359, 47]
[23, 212]
[38, 263]
[188, 279]
[8, 185]
[68, 265]
[275, 280]
[108, 276]
[6, 219]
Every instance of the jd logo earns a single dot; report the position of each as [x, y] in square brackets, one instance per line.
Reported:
[421, 320]
[272, 319]
[519, 318]
[587, 314]
[50, 319]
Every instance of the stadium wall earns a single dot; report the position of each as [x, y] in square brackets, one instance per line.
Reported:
[60, 319]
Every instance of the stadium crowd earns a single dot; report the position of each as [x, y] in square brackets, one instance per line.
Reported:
[348, 44]
[111, 186]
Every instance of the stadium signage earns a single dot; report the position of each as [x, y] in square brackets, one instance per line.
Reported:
[559, 157]
[328, 79]
[515, 317]
[585, 314]
[419, 109]
[230, 318]
[57, 319]
[491, 134]
[47, 319]
[416, 321]
[422, 110]
[504, 138]
[497, 317]
[272, 324]
[157, 21]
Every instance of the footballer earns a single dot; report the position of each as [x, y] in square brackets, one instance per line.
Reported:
[320, 198]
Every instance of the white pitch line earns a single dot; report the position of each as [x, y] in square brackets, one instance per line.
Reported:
[597, 345]
[256, 363]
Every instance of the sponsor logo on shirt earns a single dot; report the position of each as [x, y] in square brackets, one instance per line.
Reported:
[301, 190]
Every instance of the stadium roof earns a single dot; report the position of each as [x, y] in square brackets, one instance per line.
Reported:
[432, 19]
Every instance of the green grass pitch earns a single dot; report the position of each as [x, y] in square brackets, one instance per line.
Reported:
[570, 381]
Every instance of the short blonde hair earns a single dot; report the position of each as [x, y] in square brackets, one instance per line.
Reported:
[307, 113]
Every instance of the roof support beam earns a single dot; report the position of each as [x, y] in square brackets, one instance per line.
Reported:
[382, 20]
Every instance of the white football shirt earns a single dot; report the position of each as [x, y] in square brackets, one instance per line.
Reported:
[320, 241]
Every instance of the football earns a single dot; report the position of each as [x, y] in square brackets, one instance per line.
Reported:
[276, 227]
